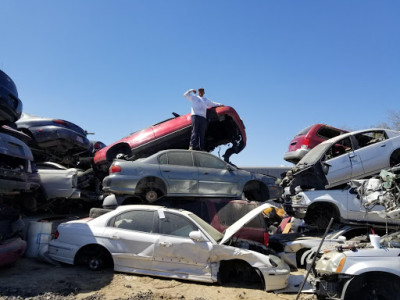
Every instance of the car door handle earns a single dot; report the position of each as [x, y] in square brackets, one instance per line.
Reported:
[115, 237]
[164, 244]
[166, 171]
[206, 173]
[384, 145]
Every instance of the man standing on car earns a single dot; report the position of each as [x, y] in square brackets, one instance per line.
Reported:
[198, 117]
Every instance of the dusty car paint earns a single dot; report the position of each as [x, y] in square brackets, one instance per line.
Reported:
[164, 255]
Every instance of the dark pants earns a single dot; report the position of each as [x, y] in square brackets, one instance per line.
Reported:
[199, 126]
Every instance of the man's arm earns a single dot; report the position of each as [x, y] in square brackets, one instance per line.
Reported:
[212, 103]
[188, 94]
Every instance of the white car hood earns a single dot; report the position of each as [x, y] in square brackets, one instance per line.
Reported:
[235, 227]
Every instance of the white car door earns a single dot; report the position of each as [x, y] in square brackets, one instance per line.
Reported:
[215, 179]
[176, 254]
[374, 151]
[344, 163]
[131, 239]
[178, 170]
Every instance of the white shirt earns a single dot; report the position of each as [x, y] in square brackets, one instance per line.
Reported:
[199, 104]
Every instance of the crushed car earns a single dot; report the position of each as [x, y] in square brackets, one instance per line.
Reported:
[224, 127]
[159, 241]
[366, 273]
[186, 173]
[293, 248]
[349, 156]
[344, 205]
[54, 140]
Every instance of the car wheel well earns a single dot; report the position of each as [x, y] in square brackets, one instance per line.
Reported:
[94, 253]
[239, 272]
[380, 285]
[319, 215]
[120, 148]
[150, 189]
[256, 191]
[395, 158]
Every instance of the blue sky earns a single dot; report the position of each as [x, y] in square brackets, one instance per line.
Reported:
[114, 67]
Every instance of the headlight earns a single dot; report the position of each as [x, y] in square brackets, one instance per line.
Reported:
[332, 262]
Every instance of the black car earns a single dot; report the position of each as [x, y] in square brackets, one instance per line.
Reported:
[54, 140]
[10, 104]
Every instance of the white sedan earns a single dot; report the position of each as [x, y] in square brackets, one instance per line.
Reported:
[158, 241]
[349, 156]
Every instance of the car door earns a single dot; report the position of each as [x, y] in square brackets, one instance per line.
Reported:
[180, 173]
[131, 239]
[374, 150]
[344, 164]
[216, 178]
[176, 253]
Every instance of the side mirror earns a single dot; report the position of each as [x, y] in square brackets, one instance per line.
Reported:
[197, 236]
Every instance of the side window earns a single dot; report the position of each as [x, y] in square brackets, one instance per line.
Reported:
[163, 159]
[209, 161]
[369, 138]
[180, 158]
[176, 225]
[341, 147]
[138, 220]
[327, 132]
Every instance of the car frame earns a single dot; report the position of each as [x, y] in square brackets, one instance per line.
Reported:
[224, 127]
[307, 139]
[159, 246]
[186, 173]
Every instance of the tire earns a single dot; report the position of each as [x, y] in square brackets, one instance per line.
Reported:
[151, 196]
[95, 257]
[373, 286]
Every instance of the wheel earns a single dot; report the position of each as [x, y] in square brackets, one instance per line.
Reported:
[375, 286]
[395, 158]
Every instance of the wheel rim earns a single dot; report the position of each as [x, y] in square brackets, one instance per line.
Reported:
[94, 263]
[151, 196]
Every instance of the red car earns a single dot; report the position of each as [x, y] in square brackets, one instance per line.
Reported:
[224, 127]
[308, 138]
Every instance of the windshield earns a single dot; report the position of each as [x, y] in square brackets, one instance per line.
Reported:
[214, 233]
[315, 154]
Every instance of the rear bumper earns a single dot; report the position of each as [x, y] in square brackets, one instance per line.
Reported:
[295, 156]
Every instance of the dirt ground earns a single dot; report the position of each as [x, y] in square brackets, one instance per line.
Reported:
[33, 279]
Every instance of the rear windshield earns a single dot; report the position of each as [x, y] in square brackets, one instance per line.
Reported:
[304, 131]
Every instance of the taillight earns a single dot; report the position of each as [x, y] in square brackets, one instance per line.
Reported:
[56, 235]
[305, 143]
[115, 169]
[266, 238]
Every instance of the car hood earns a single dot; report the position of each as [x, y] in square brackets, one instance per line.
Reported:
[235, 227]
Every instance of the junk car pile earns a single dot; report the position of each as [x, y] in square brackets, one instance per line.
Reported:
[154, 204]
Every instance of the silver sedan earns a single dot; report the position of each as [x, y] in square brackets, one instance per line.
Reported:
[186, 173]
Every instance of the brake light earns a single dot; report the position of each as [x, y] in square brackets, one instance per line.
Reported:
[266, 238]
[56, 235]
[115, 169]
[305, 143]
